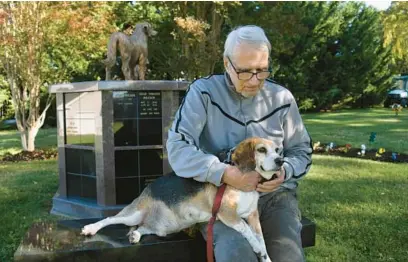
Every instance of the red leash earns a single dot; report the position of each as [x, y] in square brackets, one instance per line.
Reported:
[215, 208]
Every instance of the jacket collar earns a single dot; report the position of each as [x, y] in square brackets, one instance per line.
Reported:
[231, 86]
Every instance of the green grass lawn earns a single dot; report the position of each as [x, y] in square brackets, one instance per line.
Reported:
[26, 191]
[354, 127]
[360, 206]
[10, 140]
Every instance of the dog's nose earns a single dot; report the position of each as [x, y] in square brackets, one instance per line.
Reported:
[279, 161]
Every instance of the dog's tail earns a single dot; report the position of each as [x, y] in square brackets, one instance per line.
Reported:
[111, 53]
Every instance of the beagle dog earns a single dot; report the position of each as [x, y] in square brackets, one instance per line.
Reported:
[172, 203]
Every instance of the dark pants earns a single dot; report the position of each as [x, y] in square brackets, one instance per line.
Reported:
[281, 226]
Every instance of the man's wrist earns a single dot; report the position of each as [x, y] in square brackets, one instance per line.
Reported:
[288, 170]
[226, 177]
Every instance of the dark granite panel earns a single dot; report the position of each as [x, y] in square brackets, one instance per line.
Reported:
[80, 161]
[117, 106]
[126, 163]
[73, 160]
[150, 132]
[149, 104]
[127, 189]
[125, 132]
[88, 162]
[129, 105]
[88, 189]
[73, 185]
[182, 94]
[125, 104]
[151, 162]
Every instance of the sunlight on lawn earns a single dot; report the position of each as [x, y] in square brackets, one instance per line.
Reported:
[360, 124]
[354, 127]
[399, 130]
[323, 121]
[388, 120]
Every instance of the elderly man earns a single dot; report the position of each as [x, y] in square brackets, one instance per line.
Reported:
[217, 113]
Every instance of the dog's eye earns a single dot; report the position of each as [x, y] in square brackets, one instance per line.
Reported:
[261, 150]
[277, 150]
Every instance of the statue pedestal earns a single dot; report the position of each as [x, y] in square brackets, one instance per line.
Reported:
[61, 241]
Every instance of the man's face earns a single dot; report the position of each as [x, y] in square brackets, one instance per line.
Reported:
[247, 59]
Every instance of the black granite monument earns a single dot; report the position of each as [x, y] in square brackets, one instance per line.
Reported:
[111, 137]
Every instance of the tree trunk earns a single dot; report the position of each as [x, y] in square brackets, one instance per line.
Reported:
[32, 133]
[28, 138]
[23, 140]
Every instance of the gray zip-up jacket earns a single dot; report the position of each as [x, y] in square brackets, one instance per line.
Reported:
[213, 117]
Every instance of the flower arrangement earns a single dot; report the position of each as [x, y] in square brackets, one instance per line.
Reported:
[380, 152]
[362, 150]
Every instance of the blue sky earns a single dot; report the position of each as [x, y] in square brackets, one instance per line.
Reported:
[379, 4]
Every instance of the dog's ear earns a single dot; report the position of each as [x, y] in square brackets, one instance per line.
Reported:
[244, 154]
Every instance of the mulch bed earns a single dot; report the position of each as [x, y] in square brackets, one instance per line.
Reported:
[372, 154]
[40, 154]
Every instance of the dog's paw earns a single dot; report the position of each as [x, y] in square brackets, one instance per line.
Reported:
[265, 258]
[134, 237]
[89, 230]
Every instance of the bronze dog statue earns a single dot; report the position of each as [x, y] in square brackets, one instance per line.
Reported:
[133, 51]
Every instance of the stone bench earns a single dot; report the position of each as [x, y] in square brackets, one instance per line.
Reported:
[61, 241]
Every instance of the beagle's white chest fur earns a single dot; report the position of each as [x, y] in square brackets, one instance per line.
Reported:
[247, 203]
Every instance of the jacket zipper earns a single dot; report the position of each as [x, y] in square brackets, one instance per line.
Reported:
[243, 116]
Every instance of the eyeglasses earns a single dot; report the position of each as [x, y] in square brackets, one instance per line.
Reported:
[261, 75]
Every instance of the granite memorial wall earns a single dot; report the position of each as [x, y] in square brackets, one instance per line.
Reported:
[111, 137]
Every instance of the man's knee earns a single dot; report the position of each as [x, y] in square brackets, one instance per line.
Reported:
[281, 227]
[230, 245]
[234, 250]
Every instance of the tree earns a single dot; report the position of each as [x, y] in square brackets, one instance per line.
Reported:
[395, 20]
[326, 53]
[45, 43]
[23, 41]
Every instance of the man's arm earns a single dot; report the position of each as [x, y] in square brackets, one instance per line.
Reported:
[183, 144]
[297, 145]
[184, 153]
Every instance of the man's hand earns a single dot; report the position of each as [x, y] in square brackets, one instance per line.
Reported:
[272, 185]
[243, 181]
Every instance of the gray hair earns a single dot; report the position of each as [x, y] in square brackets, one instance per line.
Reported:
[249, 34]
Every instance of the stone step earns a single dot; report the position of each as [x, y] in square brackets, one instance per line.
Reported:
[61, 241]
